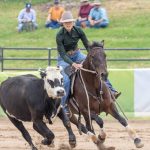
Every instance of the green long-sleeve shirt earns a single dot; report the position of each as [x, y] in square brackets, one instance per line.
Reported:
[67, 41]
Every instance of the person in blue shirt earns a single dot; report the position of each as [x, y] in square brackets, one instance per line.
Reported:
[98, 16]
[27, 15]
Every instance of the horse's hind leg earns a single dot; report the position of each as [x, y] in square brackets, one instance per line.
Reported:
[132, 133]
[100, 122]
[18, 124]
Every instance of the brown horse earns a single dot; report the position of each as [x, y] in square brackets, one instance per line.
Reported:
[91, 96]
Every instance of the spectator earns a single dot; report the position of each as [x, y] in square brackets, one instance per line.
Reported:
[83, 13]
[27, 18]
[98, 16]
[54, 16]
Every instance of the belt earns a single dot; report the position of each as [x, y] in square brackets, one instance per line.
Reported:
[72, 52]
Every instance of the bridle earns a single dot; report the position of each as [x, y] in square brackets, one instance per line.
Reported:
[99, 97]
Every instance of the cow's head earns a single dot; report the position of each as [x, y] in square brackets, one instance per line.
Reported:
[53, 82]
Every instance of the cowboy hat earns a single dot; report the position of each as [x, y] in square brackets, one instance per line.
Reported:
[82, 1]
[96, 2]
[67, 17]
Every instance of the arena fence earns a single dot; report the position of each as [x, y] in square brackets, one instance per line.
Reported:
[133, 83]
[50, 58]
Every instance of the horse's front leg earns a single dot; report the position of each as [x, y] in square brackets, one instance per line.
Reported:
[66, 122]
[89, 127]
[99, 121]
[132, 133]
[99, 143]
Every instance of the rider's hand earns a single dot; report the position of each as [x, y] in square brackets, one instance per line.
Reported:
[77, 66]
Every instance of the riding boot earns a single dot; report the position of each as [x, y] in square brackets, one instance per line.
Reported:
[115, 93]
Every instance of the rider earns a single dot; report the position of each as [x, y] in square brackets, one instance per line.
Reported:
[69, 54]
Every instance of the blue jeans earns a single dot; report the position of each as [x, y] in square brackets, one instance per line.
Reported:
[98, 25]
[79, 23]
[52, 24]
[21, 25]
[76, 57]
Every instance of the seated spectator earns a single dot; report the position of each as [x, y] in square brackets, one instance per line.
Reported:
[83, 13]
[98, 16]
[27, 18]
[54, 16]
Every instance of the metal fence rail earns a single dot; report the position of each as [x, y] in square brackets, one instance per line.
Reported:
[49, 57]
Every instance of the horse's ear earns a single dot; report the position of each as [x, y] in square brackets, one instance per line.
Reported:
[89, 45]
[102, 42]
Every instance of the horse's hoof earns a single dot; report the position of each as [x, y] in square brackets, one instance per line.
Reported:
[102, 137]
[138, 143]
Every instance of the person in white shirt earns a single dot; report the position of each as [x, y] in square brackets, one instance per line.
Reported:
[27, 15]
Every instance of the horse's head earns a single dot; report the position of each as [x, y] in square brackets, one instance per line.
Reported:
[97, 59]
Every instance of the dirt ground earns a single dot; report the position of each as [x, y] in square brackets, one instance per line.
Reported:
[11, 139]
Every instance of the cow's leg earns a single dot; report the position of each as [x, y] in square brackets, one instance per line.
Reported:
[42, 129]
[115, 113]
[66, 122]
[24, 132]
[100, 122]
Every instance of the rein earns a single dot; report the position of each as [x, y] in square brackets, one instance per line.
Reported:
[88, 93]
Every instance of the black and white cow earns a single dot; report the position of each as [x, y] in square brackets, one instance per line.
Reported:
[29, 98]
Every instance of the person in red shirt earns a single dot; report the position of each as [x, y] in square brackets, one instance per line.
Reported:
[83, 13]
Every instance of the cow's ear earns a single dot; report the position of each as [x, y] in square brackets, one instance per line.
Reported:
[42, 73]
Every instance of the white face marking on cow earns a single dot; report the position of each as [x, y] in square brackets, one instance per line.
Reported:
[53, 82]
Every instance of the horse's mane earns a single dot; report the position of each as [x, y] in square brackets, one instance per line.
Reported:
[96, 44]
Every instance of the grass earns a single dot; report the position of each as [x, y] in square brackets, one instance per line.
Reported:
[129, 27]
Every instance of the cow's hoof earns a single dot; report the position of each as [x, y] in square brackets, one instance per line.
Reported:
[138, 143]
[72, 143]
[34, 148]
[48, 142]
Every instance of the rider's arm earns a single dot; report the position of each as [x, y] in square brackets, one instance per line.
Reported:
[61, 49]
